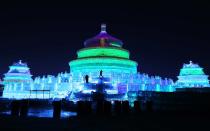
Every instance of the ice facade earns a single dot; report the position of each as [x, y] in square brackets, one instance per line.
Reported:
[19, 84]
[102, 54]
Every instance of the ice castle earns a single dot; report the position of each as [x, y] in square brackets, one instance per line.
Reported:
[102, 53]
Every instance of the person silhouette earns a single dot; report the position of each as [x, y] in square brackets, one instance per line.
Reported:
[101, 73]
[86, 78]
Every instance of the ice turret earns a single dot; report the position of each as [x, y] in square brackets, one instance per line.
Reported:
[192, 75]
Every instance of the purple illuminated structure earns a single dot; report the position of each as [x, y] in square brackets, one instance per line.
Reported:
[103, 39]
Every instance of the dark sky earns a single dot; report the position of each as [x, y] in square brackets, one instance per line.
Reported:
[160, 35]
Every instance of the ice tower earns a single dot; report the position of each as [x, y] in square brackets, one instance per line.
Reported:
[192, 75]
[18, 73]
[17, 80]
[102, 52]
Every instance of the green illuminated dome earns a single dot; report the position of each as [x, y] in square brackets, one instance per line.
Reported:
[106, 54]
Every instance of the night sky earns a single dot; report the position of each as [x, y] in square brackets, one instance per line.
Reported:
[160, 36]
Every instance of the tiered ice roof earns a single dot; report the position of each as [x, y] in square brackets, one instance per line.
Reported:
[192, 75]
[191, 69]
[103, 39]
[18, 72]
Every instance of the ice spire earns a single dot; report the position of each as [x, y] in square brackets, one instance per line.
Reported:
[103, 28]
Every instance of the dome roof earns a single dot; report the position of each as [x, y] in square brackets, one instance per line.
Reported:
[103, 39]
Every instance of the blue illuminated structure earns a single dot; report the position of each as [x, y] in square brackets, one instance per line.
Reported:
[17, 81]
[191, 76]
[100, 53]
[18, 73]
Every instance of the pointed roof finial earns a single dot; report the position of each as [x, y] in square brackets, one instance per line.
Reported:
[190, 62]
[103, 28]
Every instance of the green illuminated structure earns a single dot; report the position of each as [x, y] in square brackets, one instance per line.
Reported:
[103, 61]
[103, 52]
[99, 51]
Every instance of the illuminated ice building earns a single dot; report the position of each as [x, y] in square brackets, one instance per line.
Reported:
[17, 80]
[18, 84]
[192, 75]
[104, 52]
[102, 55]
